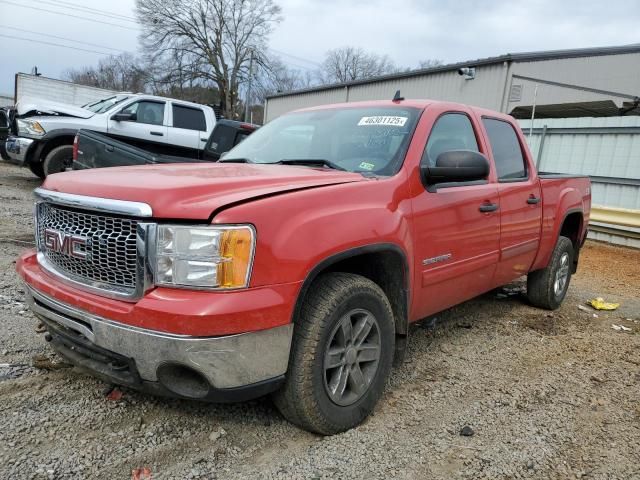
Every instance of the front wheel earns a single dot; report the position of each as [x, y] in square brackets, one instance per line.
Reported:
[37, 169]
[341, 355]
[547, 288]
[58, 159]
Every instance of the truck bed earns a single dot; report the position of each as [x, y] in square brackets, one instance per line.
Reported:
[566, 193]
[96, 150]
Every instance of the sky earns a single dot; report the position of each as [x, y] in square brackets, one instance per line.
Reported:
[408, 31]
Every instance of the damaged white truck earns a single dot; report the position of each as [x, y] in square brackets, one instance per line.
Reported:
[42, 133]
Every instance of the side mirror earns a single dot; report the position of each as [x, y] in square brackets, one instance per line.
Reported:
[124, 117]
[456, 166]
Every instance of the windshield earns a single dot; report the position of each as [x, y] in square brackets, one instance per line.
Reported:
[372, 139]
[105, 104]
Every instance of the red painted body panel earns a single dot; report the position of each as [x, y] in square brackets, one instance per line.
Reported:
[192, 191]
[304, 216]
[184, 312]
[561, 196]
[448, 222]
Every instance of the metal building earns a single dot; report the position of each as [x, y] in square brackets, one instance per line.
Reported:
[564, 86]
[590, 82]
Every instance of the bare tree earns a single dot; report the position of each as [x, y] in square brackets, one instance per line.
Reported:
[429, 63]
[212, 39]
[276, 77]
[118, 72]
[349, 63]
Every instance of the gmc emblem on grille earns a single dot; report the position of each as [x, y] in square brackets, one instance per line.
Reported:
[66, 243]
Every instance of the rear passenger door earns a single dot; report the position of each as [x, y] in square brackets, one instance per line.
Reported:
[188, 129]
[520, 200]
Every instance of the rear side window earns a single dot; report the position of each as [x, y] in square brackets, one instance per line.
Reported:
[189, 118]
[507, 152]
[240, 137]
[452, 131]
[221, 139]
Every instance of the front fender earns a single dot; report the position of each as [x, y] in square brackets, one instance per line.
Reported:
[298, 230]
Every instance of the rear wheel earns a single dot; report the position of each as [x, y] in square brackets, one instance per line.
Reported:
[341, 355]
[547, 288]
[58, 159]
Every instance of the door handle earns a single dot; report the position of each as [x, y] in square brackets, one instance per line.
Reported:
[157, 134]
[109, 148]
[532, 200]
[204, 139]
[488, 207]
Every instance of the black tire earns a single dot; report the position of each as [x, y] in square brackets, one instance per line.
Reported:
[58, 159]
[543, 289]
[305, 399]
[37, 169]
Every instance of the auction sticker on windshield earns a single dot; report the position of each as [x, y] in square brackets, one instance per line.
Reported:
[383, 120]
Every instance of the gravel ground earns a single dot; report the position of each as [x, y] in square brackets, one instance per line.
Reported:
[546, 395]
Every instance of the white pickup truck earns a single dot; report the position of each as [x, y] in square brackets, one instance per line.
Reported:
[43, 132]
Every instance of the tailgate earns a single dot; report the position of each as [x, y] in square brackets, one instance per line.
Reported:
[96, 150]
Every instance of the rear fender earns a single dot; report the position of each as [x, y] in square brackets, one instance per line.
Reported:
[569, 201]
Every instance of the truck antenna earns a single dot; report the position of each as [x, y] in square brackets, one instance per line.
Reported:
[397, 97]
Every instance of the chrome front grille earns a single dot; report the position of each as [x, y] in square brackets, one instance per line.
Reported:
[105, 256]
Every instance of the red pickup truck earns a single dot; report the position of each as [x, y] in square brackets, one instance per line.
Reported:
[296, 264]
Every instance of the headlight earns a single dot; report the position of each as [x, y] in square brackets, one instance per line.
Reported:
[31, 127]
[211, 257]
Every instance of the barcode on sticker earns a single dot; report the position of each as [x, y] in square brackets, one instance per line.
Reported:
[383, 120]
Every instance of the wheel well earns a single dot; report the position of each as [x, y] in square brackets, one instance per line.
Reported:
[386, 268]
[571, 228]
[53, 143]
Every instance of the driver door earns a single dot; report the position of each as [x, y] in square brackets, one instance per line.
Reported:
[148, 126]
[456, 225]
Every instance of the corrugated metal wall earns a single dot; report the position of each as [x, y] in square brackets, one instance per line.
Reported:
[285, 104]
[6, 100]
[606, 149]
[601, 147]
[486, 90]
[57, 90]
[615, 73]
[576, 80]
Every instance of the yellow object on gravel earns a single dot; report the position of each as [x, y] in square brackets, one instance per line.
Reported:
[600, 304]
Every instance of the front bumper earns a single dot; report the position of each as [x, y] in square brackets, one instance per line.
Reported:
[18, 148]
[226, 368]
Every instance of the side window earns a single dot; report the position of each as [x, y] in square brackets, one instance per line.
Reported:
[220, 138]
[148, 112]
[452, 131]
[240, 137]
[506, 149]
[189, 118]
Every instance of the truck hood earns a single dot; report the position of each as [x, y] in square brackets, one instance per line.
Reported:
[194, 191]
[36, 106]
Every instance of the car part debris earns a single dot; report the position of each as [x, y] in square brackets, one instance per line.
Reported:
[600, 304]
[115, 395]
[143, 473]
[44, 363]
[620, 328]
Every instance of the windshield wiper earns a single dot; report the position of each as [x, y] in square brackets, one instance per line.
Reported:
[235, 160]
[320, 162]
